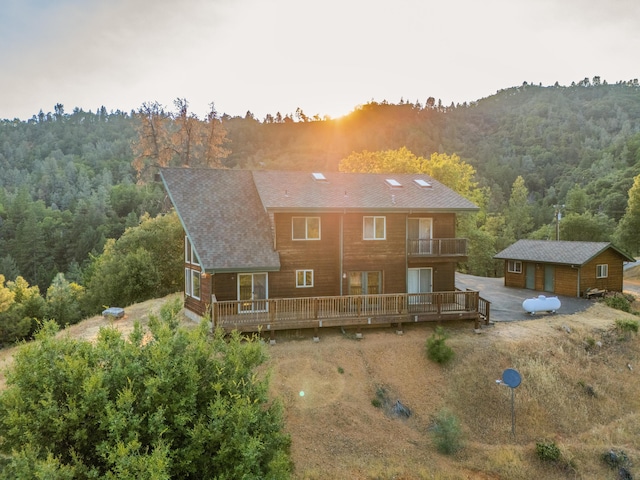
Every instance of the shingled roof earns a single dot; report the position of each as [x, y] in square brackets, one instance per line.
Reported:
[225, 213]
[223, 218]
[562, 252]
[356, 191]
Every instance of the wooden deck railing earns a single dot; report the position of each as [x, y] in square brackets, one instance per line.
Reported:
[484, 310]
[437, 247]
[315, 312]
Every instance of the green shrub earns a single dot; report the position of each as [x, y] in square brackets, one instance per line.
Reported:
[446, 433]
[627, 326]
[547, 451]
[380, 399]
[167, 402]
[619, 302]
[437, 349]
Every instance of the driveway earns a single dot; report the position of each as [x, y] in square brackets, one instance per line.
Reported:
[506, 302]
[631, 286]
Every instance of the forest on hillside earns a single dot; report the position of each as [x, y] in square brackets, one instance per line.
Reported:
[546, 162]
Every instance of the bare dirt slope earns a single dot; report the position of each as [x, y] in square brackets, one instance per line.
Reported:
[89, 328]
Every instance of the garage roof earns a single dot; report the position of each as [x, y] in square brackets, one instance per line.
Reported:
[562, 252]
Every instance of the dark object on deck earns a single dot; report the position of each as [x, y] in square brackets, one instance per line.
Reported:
[114, 312]
[401, 410]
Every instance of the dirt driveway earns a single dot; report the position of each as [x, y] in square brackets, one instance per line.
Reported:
[506, 302]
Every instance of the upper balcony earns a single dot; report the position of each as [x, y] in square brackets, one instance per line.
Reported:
[437, 247]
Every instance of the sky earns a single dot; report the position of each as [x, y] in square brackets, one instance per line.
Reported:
[324, 57]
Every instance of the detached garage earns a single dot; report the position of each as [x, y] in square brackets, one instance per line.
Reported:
[564, 268]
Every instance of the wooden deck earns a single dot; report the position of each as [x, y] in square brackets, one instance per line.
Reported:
[351, 310]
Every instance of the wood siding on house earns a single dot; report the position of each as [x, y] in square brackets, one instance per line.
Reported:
[614, 279]
[199, 306]
[387, 256]
[515, 280]
[225, 286]
[195, 305]
[570, 280]
[444, 277]
[566, 280]
[340, 250]
[444, 224]
[321, 256]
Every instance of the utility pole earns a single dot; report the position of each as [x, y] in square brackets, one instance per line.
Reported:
[558, 216]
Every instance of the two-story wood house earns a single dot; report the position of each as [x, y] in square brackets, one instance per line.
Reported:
[281, 249]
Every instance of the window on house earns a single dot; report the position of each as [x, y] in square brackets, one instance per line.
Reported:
[192, 283]
[195, 284]
[374, 228]
[304, 278]
[602, 271]
[365, 283]
[514, 266]
[189, 253]
[305, 228]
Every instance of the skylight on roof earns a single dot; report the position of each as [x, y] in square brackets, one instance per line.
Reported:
[393, 183]
[422, 183]
[319, 177]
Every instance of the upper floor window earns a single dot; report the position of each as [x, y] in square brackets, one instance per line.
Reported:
[602, 271]
[305, 228]
[189, 252]
[514, 266]
[374, 228]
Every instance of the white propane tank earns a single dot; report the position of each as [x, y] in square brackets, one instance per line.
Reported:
[541, 304]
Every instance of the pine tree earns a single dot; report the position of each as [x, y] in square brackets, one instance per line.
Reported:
[518, 213]
[628, 231]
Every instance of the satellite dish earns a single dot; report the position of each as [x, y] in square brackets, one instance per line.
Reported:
[511, 378]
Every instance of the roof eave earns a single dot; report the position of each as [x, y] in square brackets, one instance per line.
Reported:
[214, 270]
[369, 210]
[175, 208]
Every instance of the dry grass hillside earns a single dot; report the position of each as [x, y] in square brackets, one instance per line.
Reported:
[576, 393]
[580, 390]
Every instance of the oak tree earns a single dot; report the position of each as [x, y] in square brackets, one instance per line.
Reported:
[170, 402]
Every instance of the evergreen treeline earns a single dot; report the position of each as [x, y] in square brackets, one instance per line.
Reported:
[554, 137]
[549, 161]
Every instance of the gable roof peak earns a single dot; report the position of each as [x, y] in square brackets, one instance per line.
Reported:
[556, 251]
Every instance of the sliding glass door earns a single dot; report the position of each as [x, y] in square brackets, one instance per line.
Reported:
[253, 292]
